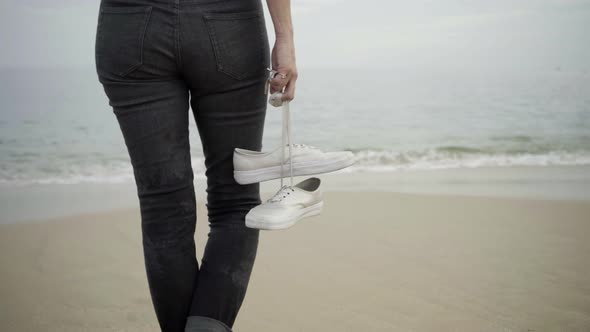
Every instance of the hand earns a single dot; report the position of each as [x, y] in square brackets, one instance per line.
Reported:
[283, 61]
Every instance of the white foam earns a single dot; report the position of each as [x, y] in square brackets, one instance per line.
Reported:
[118, 171]
[376, 161]
[101, 173]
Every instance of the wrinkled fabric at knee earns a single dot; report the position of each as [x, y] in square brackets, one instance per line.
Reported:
[205, 324]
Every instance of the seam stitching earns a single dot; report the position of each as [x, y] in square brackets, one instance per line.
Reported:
[177, 35]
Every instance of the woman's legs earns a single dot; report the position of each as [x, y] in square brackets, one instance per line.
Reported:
[226, 71]
[150, 54]
[231, 247]
[137, 66]
[156, 135]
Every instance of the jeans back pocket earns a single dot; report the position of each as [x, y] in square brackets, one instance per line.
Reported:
[238, 42]
[119, 39]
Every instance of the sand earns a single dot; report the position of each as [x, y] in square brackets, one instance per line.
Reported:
[372, 261]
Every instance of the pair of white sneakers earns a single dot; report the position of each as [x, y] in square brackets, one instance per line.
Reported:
[291, 202]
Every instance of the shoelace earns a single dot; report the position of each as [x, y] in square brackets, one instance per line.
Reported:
[287, 141]
[282, 193]
[285, 137]
[285, 128]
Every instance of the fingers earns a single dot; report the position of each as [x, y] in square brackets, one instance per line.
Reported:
[285, 83]
[278, 82]
[289, 93]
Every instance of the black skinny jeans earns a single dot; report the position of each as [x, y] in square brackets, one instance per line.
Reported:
[154, 58]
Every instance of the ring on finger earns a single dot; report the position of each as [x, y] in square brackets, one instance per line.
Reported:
[280, 75]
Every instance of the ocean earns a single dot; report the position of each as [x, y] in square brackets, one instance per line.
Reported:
[56, 126]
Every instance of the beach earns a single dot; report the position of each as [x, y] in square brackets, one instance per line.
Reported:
[374, 260]
[467, 208]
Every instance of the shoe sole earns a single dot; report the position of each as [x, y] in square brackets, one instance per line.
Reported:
[301, 168]
[309, 211]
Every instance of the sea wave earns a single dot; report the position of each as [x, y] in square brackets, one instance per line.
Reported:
[68, 171]
[462, 157]
[104, 171]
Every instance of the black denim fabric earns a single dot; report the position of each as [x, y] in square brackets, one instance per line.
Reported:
[154, 59]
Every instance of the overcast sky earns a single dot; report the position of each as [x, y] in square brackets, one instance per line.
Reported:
[348, 33]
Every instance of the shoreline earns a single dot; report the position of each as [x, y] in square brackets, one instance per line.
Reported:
[26, 203]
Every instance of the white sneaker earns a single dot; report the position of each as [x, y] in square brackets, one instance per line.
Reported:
[289, 205]
[254, 166]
